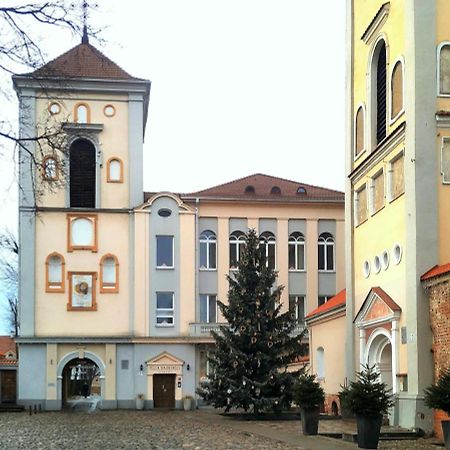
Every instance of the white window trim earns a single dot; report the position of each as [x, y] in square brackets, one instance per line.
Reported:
[400, 60]
[325, 259]
[438, 71]
[389, 194]
[303, 299]
[173, 253]
[372, 190]
[357, 194]
[165, 312]
[208, 242]
[266, 243]
[237, 242]
[364, 150]
[296, 244]
[207, 307]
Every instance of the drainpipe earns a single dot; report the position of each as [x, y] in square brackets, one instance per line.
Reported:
[197, 203]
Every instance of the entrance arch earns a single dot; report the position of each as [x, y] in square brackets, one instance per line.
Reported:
[379, 354]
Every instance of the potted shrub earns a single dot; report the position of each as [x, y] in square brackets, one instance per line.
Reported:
[308, 394]
[188, 402]
[140, 401]
[438, 397]
[368, 398]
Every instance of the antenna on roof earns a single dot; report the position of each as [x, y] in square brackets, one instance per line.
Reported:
[85, 38]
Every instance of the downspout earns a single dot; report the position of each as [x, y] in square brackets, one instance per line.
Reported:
[197, 202]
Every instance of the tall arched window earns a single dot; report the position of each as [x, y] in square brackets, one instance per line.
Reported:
[237, 246]
[444, 68]
[378, 93]
[114, 168]
[296, 251]
[359, 132]
[267, 247]
[397, 90]
[326, 252]
[320, 362]
[54, 273]
[82, 174]
[109, 274]
[208, 250]
[82, 113]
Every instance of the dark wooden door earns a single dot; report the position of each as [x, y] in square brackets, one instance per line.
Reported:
[8, 382]
[164, 391]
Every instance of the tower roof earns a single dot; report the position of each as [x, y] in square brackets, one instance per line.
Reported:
[82, 61]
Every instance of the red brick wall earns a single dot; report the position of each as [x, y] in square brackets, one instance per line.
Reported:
[439, 297]
[329, 399]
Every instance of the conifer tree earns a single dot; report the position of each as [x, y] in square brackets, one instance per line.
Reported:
[250, 359]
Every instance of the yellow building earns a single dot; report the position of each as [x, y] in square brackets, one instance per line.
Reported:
[118, 288]
[397, 163]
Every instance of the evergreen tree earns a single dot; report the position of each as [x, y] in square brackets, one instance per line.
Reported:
[250, 359]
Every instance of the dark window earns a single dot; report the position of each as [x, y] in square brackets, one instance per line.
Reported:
[326, 252]
[267, 248]
[82, 174]
[164, 212]
[250, 189]
[208, 308]
[323, 299]
[237, 247]
[301, 190]
[297, 307]
[164, 251]
[208, 245]
[381, 94]
[275, 190]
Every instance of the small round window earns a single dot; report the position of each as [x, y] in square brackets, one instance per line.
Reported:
[54, 108]
[366, 269]
[109, 110]
[397, 253]
[385, 259]
[164, 212]
[376, 264]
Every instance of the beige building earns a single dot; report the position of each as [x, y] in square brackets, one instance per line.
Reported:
[118, 288]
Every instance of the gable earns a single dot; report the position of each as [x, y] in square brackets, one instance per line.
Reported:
[165, 359]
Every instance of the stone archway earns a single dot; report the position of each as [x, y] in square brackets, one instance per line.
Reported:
[379, 354]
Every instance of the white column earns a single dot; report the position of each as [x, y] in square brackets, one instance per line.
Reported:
[362, 347]
[395, 354]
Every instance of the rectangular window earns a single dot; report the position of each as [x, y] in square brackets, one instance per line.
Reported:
[204, 369]
[378, 191]
[208, 308]
[397, 177]
[444, 70]
[323, 299]
[164, 309]
[271, 256]
[297, 307]
[361, 205]
[164, 252]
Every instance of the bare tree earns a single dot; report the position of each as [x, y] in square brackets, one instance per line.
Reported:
[21, 52]
[9, 278]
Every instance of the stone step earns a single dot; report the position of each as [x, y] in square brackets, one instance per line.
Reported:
[6, 407]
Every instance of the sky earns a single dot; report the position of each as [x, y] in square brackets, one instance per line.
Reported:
[238, 87]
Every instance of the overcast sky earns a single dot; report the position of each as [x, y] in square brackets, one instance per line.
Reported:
[238, 87]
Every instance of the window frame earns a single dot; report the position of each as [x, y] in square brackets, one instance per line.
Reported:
[379, 173]
[88, 112]
[109, 288]
[296, 244]
[358, 191]
[238, 242]
[44, 169]
[108, 170]
[324, 243]
[390, 178]
[438, 71]
[270, 240]
[297, 297]
[208, 298]
[356, 155]
[392, 119]
[58, 287]
[70, 219]
[93, 307]
[326, 297]
[165, 311]
[165, 267]
[209, 241]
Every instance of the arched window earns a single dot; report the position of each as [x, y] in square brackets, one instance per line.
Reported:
[320, 362]
[54, 273]
[237, 246]
[82, 174]
[359, 132]
[82, 113]
[378, 93]
[267, 247]
[114, 170]
[397, 90]
[208, 250]
[444, 68]
[326, 252]
[82, 232]
[109, 274]
[296, 251]
[50, 168]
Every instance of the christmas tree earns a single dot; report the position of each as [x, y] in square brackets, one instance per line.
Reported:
[251, 356]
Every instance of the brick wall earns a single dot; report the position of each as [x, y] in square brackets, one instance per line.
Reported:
[328, 404]
[439, 297]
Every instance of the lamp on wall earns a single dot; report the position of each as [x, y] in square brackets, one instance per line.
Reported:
[188, 367]
[141, 369]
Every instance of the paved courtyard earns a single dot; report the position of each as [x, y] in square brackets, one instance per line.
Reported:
[193, 430]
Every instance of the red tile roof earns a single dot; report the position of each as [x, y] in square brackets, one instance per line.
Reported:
[386, 298]
[435, 271]
[8, 362]
[82, 61]
[334, 303]
[6, 344]
[268, 188]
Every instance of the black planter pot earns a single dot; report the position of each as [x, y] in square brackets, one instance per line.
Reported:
[310, 420]
[446, 430]
[368, 431]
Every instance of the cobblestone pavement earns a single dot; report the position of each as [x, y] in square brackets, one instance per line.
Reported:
[168, 430]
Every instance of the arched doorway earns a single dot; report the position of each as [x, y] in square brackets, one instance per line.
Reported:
[80, 380]
[379, 354]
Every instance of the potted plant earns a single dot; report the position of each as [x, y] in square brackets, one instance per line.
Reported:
[188, 402]
[438, 397]
[140, 401]
[309, 395]
[368, 398]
